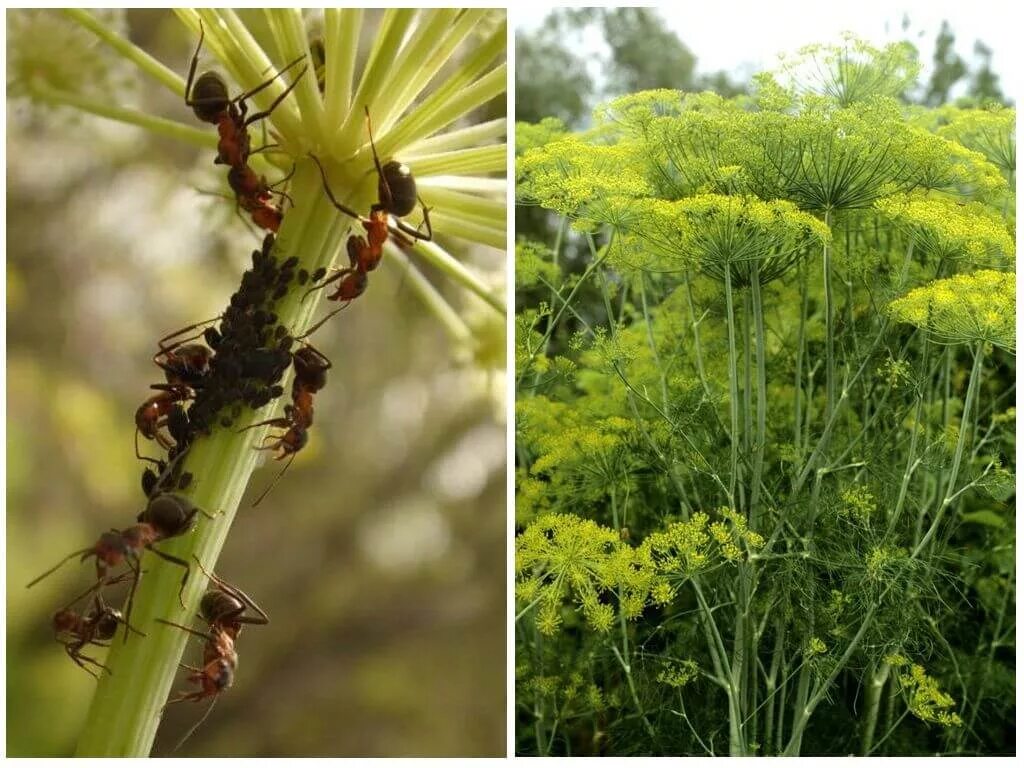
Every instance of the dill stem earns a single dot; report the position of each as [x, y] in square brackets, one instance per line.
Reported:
[830, 360]
[734, 396]
[954, 471]
[877, 678]
[801, 343]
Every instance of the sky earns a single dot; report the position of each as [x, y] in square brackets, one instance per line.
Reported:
[744, 36]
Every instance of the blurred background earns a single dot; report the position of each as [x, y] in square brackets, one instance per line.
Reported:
[380, 556]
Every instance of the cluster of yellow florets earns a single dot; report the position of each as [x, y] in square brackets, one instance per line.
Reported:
[973, 308]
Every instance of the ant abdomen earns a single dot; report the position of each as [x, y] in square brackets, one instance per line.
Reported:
[396, 189]
[209, 97]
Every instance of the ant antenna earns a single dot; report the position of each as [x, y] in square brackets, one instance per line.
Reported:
[58, 565]
[274, 482]
[195, 727]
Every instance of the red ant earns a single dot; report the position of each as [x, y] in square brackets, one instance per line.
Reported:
[311, 368]
[165, 516]
[210, 103]
[209, 100]
[154, 413]
[75, 631]
[183, 362]
[396, 193]
[224, 609]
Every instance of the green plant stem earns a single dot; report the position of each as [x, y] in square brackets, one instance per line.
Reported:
[157, 125]
[734, 395]
[125, 711]
[954, 470]
[128, 50]
[830, 355]
[761, 436]
[801, 343]
[877, 678]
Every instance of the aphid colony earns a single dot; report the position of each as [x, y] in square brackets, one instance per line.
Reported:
[237, 367]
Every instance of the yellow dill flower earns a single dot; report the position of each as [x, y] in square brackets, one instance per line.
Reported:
[948, 228]
[678, 674]
[926, 700]
[964, 309]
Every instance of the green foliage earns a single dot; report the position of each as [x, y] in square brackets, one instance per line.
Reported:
[772, 448]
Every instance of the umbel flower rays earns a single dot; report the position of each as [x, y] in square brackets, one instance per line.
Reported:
[425, 71]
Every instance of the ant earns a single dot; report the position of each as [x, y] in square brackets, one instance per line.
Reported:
[75, 631]
[311, 368]
[396, 197]
[155, 412]
[209, 100]
[165, 516]
[224, 609]
[183, 362]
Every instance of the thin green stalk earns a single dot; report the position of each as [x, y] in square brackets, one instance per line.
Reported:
[954, 470]
[801, 342]
[128, 50]
[761, 436]
[830, 355]
[734, 395]
[160, 126]
[125, 711]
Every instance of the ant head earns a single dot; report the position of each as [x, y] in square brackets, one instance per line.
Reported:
[210, 97]
[396, 188]
[64, 620]
[224, 672]
[169, 514]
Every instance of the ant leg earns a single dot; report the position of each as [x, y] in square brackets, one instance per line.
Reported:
[139, 455]
[333, 278]
[330, 195]
[278, 422]
[249, 94]
[192, 631]
[255, 503]
[78, 658]
[180, 331]
[316, 327]
[415, 234]
[177, 561]
[136, 567]
[95, 588]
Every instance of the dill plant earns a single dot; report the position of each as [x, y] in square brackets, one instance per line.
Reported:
[426, 70]
[764, 431]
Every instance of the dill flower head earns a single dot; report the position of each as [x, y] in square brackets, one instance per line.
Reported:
[951, 229]
[990, 131]
[976, 308]
[744, 235]
[852, 70]
[562, 557]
